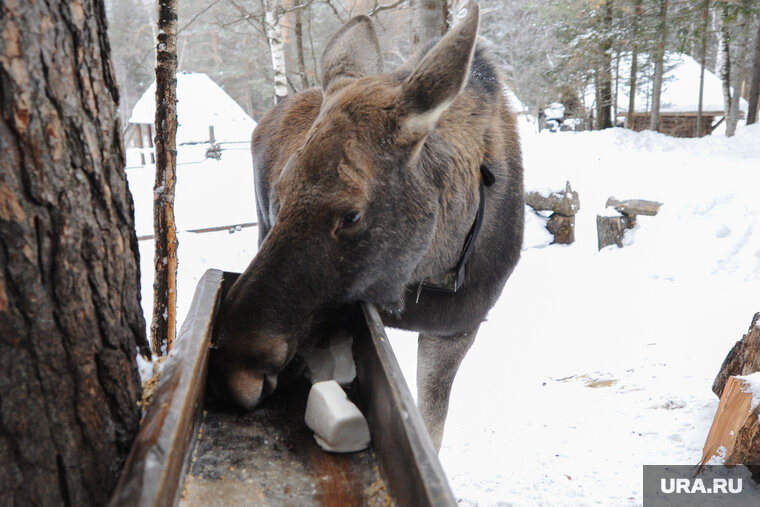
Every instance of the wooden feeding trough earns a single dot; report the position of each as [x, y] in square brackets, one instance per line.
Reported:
[193, 451]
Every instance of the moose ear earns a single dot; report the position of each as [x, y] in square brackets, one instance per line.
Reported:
[441, 75]
[353, 52]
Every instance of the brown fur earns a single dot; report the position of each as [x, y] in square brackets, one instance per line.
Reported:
[364, 191]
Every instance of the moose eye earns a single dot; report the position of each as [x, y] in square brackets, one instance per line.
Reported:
[350, 219]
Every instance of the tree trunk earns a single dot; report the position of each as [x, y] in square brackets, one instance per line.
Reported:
[754, 88]
[276, 49]
[299, 49]
[604, 119]
[163, 324]
[632, 88]
[702, 66]
[428, 21]
[659, 66]
[70, 316]
[742, 35]
[724, 66]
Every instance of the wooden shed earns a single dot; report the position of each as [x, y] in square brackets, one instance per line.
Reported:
[205, 114]
[677, 124]
[679, 99]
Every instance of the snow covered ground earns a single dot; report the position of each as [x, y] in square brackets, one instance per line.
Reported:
[592, 364]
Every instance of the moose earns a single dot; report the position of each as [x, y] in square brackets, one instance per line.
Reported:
[400, 189]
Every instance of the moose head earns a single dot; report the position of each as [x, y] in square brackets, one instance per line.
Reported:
[346, 211]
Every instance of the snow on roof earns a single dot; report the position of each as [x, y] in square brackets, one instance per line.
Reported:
[200, 103]
[680, 88]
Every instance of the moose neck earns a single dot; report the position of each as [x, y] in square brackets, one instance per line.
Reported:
[452, 280]
[454, 176]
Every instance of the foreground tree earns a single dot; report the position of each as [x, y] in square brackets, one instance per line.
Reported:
[164, 321]
[70, 316]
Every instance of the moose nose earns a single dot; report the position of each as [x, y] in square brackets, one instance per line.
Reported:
[247, 388]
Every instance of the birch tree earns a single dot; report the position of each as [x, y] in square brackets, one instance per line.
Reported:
[705, 18]
[273, 28]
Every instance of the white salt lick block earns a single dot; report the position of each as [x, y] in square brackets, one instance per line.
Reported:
[338, 424]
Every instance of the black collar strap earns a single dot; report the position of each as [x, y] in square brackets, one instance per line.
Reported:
[453, 280]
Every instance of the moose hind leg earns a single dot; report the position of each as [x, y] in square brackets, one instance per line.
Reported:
[438, 359]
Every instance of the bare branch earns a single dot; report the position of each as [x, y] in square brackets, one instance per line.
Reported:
[198, 15]
[379, 8]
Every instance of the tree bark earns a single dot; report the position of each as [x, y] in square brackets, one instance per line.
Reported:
[428, 21]
[754, 88]
[659, 66]
[70, 316]
[742, 359]
[163, 323]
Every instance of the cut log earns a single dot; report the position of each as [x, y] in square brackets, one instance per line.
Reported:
[743, 359]
[565, 202]
[563, 229]
[610, 229]
[735, 432]
[634, 206]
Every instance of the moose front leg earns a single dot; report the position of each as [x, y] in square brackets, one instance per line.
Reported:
[438, 359]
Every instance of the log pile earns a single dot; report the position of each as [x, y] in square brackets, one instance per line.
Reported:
[735, 432]
[612, 226]
[563, 205]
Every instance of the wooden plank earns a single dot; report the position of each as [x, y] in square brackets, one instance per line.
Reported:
[409, 460]
[153, 471]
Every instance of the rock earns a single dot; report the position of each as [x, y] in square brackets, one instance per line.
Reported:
[338, 424]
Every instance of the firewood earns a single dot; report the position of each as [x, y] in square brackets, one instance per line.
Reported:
[562, 227]
[634, 206]
[610, 229]
[565, 202]
[735, 432]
